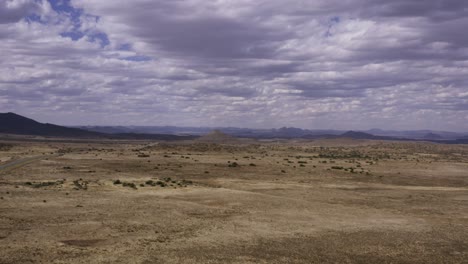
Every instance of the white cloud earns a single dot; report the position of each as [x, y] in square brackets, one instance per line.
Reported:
[330, 64]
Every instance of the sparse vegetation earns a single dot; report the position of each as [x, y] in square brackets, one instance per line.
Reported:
[5, 147]
[44, 184]
[80, 184]
[129, 184]
[355, 192]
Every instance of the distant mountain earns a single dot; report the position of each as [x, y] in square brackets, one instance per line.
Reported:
[289, 132]
[148, 129]
[107, 129]
[284, 132]
[11, 123]
[416, 134]
[358, 135]
[350, 134]
[138, 136]
[320, 136]
[432, 136]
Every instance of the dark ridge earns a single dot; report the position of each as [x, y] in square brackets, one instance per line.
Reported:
[362, 135]
[320, 136]
[358, 135]
[432, 136]
[11, 123]
[151, 136]
[351, 134]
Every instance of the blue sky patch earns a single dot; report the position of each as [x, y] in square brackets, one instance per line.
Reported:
[137, 58]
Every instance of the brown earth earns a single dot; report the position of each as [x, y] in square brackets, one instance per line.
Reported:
[326, 201]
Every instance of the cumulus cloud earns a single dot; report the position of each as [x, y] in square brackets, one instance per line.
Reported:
[312, 64]
[13, 10]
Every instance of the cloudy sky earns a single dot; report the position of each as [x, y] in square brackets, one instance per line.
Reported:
[343, 64]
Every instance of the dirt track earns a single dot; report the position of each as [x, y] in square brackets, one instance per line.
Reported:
[23, 161]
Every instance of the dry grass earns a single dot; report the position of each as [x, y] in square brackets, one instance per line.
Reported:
[335, 201]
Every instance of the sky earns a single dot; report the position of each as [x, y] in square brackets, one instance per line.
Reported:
[321, 64]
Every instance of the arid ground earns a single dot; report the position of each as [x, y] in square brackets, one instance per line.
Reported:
[322, 201]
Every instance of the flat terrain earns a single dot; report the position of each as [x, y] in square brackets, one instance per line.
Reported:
[323, 201]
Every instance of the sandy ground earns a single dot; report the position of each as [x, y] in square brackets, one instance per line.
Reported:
[327, 201]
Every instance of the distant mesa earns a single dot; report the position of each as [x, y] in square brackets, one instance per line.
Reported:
[217, 136]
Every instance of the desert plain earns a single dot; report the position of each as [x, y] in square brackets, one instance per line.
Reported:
[233, 201]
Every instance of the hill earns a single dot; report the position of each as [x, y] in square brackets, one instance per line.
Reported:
[359, 135]
[11, 123]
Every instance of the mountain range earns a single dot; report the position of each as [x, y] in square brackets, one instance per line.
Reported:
[11, 123]
[284, 132]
